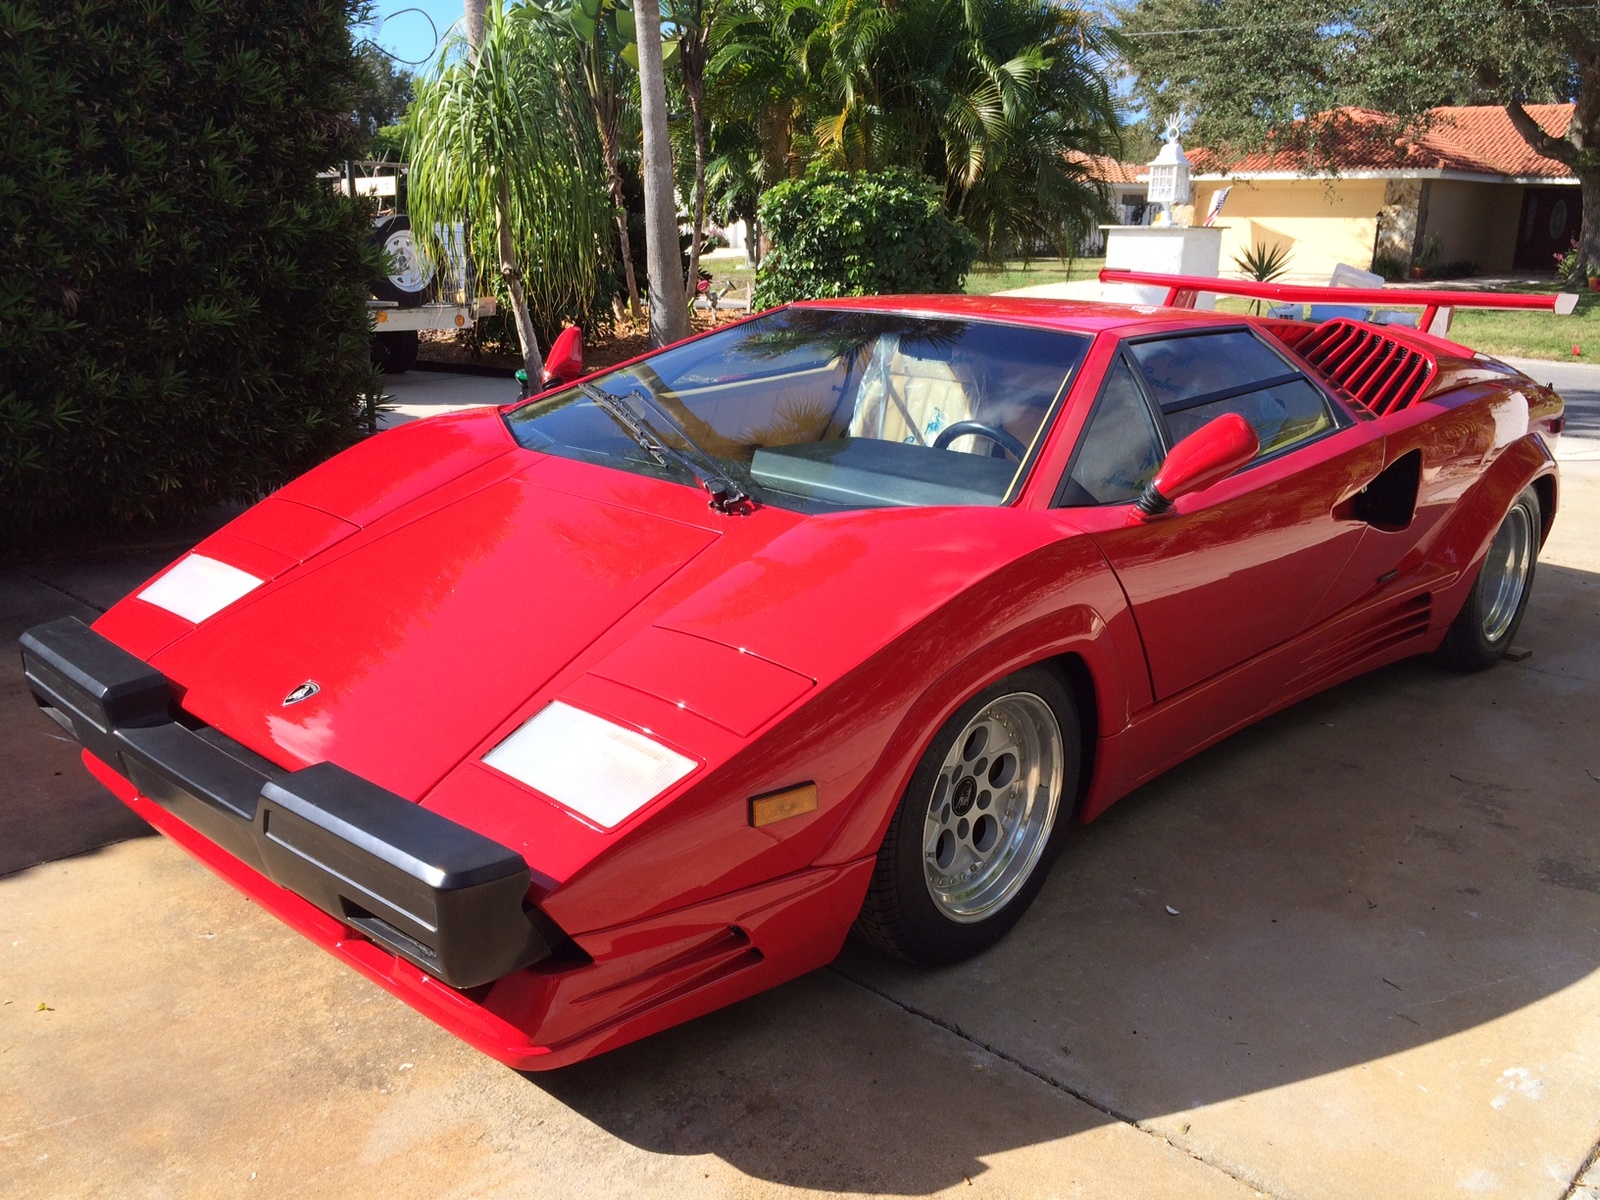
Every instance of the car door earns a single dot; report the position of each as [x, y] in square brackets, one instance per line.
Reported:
[1241, 566]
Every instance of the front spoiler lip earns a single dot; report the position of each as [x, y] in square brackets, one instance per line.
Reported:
[429, 890]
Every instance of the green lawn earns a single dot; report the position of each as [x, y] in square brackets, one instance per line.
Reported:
[1002, 277]
[984, 279]
[1505, 334]
[1533, 334]
[1515, 334]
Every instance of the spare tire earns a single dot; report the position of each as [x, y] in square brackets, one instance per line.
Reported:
[408, 274]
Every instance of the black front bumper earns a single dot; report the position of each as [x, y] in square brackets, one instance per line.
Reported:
[433, 892]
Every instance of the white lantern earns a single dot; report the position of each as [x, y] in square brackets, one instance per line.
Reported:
[1169, 176]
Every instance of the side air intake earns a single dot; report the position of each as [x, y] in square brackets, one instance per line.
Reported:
[1379, 373]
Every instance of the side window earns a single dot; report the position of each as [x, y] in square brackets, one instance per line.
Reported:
[1121, 450]
[1281, 415]
[1198, 378]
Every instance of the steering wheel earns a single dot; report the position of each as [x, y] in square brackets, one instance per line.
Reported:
[977, 428]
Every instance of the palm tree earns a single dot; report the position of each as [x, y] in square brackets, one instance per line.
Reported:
[763, 73]
[502, 140]
[669, 316]
[695, 21]
[603, 29]
[998, 99]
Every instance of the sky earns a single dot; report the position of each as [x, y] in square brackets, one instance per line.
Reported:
[404, 32]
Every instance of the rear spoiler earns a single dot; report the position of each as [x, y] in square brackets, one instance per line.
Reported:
[1182, 290]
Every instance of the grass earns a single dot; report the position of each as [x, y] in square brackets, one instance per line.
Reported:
[1501, 333]
[1533, 334]
[984, 279]
[987, 278]
[1510, 334]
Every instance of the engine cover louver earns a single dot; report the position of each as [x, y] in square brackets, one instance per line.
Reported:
[1378, 372]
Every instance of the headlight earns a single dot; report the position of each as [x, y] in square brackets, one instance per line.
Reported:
[599, 770]
[198, 587]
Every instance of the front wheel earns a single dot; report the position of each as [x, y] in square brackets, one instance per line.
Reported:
[972, 840]
[1482, 631]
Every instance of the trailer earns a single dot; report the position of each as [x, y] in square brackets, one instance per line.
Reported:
[417, 293]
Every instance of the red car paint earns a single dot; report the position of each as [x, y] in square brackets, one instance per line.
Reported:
[444, 584]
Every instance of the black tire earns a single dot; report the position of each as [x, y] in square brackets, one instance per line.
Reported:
[1488, 621]
[410, 279]
[901, 914]
[395, 353]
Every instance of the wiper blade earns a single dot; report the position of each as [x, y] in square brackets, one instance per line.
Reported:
[727, 495]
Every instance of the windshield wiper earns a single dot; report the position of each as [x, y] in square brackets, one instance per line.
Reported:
[727, 495]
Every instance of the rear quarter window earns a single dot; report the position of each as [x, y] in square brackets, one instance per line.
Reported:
[1196, 378]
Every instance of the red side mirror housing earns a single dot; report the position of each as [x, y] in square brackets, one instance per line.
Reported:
[564, 363]
[1214, 451]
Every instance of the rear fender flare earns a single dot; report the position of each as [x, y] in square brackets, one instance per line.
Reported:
[1464, 540]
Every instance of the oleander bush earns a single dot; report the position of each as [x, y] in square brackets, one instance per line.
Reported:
[837, 233]
[182, 300]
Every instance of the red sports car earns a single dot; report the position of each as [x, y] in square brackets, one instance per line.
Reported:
[573, 720]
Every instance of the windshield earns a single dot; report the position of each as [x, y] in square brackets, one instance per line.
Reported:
[816, 409]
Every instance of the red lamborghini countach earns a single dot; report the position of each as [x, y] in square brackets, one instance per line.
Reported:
[572, 720]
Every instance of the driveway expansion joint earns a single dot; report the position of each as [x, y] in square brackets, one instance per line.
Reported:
[1061, 1085]
[1586, 1182]
[56, 587]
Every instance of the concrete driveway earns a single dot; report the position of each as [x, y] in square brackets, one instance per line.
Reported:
[1382, 980]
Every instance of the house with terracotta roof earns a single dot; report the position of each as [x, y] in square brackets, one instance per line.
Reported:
[1467, 177]
[1126, 186]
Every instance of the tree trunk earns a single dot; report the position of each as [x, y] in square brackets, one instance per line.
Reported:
[532, 360]
[669, 318]
[475, 18]
[694, 83]
[619, 198]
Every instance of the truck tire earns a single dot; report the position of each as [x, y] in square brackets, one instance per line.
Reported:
[408, 275]
[395, 353]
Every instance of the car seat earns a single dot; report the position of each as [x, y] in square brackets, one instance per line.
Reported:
[906, 398]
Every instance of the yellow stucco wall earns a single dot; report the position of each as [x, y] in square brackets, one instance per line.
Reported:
[1474, 221]
[1323, 222]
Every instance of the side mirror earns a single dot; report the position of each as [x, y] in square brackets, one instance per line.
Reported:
[1214, 451]
[564, 363]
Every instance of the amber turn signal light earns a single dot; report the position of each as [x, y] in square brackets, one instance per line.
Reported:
[780, 806]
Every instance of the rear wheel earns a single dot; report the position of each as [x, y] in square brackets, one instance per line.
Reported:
[1482, 631]
[395, 353]
[972, 840]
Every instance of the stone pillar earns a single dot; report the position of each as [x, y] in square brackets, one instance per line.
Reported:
[1400, 222]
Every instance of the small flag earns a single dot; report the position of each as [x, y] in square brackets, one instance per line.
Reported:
[1218, 199]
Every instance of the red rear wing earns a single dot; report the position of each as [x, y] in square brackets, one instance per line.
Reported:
[1182, 290]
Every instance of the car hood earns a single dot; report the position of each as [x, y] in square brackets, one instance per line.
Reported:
[422, 634]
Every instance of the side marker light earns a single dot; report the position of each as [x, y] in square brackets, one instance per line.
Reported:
[780, 806]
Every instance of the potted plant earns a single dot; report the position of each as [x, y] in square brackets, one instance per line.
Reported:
[1428, 257]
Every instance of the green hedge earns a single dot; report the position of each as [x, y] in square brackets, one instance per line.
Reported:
[182, 301]
[837, 233]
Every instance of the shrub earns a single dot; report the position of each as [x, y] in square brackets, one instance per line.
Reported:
[1391, 266]
[182, 301]
[835, 233]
